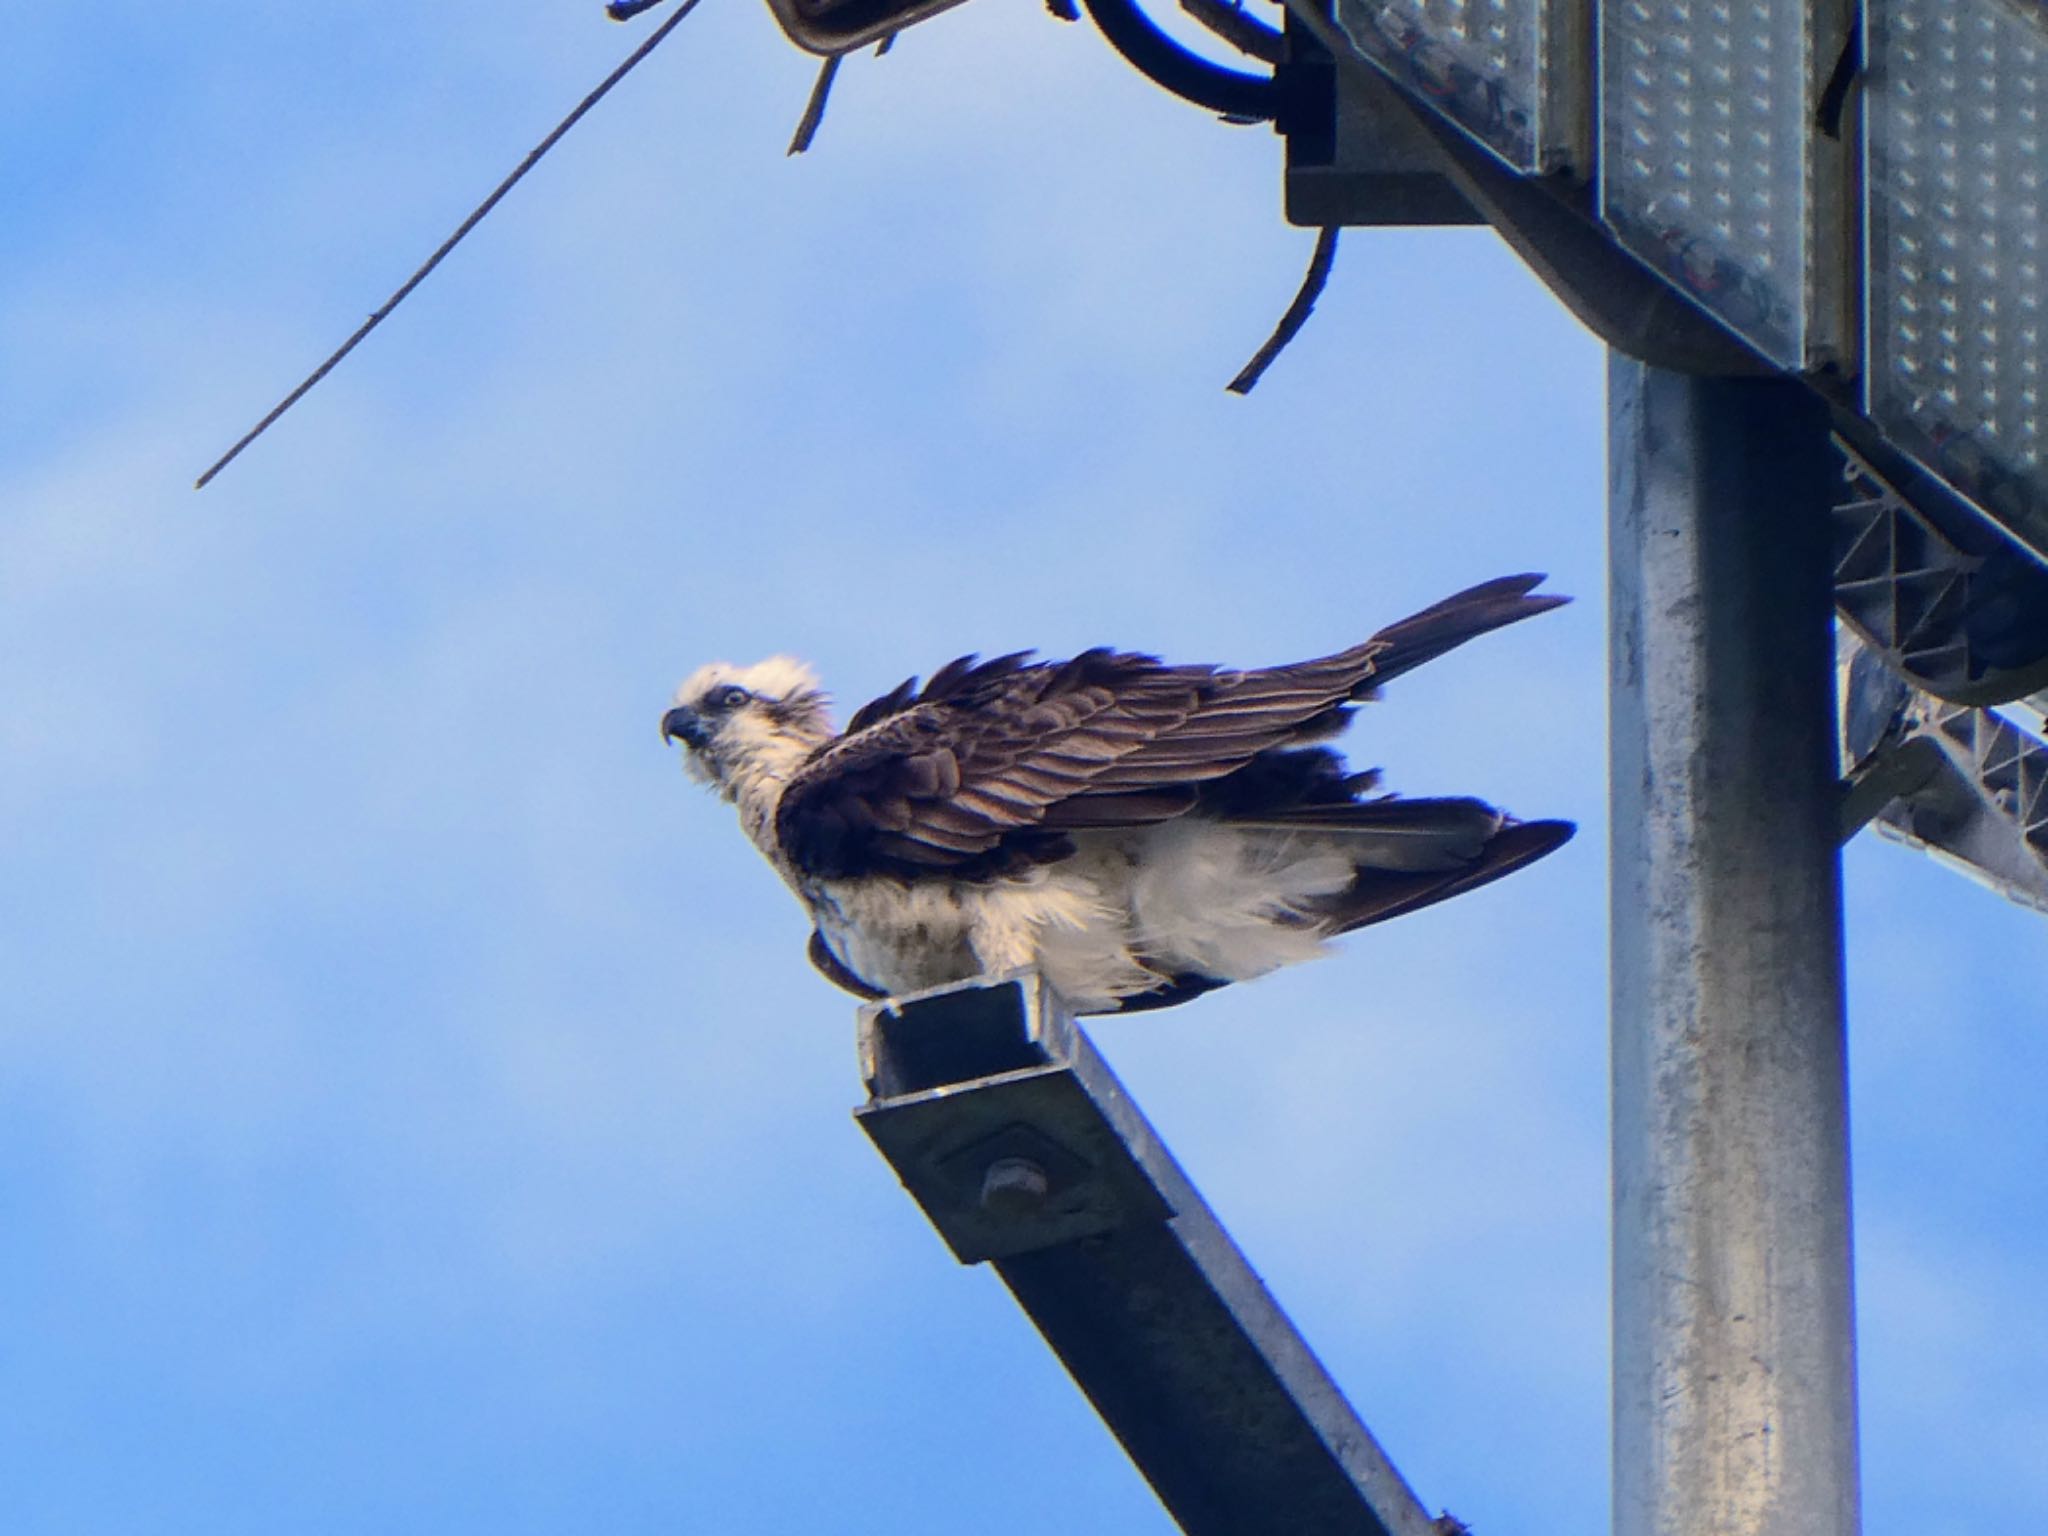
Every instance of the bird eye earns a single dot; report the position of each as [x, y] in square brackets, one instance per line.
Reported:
[731, 696]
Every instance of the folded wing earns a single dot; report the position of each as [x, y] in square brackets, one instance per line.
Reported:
[991, 765]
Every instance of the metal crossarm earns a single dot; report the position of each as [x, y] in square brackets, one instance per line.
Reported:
[1024, 1150]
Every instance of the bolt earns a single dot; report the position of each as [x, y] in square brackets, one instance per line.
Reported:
[1013, 1187]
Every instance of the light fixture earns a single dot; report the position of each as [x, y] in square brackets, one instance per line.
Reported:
[1956, 153]
[1718, 168]
[1512, 73]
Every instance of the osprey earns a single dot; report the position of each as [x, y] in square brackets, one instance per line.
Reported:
[1139, 833]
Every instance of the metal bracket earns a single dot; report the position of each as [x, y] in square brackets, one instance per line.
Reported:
[1962, 784]
[1548, 221]
[1015, 1137]
[1355, 155]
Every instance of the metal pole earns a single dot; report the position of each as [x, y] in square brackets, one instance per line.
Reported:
[1734, 1333]
[1021, 1145]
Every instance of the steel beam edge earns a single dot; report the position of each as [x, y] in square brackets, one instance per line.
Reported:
[1010, 1130]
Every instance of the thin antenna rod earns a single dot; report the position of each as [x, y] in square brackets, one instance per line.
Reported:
[433, 261]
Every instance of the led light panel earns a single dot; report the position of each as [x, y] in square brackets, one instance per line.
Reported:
[1713, 169]
[1509, 72]
[1957, 150]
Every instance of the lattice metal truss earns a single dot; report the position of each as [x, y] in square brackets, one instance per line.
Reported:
[1971, 629]
[1965, 785]
[1931, 632]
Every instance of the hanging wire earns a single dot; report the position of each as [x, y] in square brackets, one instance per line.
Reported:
[1297, 313]
[814, 109]
[821, 91]
[1238, 96]
[620, 10]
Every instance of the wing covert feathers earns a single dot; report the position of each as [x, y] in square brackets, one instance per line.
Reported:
[987, 767]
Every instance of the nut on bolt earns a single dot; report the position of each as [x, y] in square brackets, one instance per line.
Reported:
[1013, 1187]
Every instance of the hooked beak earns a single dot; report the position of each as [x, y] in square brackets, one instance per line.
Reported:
[685, 725]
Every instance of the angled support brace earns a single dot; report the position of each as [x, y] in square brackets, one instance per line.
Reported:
[1962, 784]
[1024, 1150]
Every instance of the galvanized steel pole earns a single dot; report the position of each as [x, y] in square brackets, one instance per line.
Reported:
[1734, 1335]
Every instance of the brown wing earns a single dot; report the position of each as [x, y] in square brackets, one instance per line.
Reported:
[991, 764]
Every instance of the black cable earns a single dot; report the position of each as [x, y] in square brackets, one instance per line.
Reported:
[814, 109]
[476, 217]
[1189, 76]
[1297, 313]
[1239, 28]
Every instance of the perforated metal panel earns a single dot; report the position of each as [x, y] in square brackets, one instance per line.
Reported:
[1956, 155]
[1713, 168]
[1510, 72]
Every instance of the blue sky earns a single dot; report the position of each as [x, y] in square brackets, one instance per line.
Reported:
[416, 1113]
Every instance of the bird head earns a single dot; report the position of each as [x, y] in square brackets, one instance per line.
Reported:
[739, 725]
